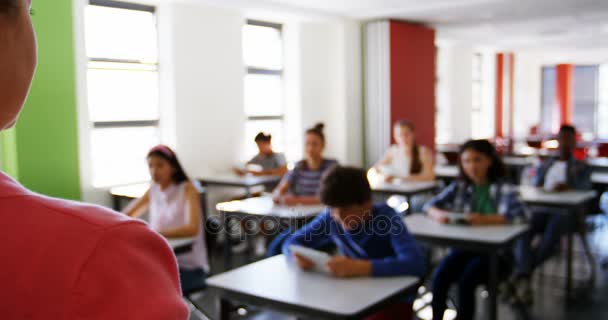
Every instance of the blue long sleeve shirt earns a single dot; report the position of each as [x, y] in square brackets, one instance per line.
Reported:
[383, 239]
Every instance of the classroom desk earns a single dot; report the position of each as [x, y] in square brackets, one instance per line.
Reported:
[262, 210]
[483, 239]
[277, 284]
[405, 189]
[518, 162]
[232, 180]
[600, 178]
[598, 164]
[128, 193]
[573, 202]
[180, 245]
[447, 172]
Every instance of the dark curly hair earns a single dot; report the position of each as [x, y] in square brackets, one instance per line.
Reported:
[344, 187]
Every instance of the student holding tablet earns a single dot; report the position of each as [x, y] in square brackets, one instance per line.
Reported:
[175, 211]
[371, 239]
[484, 199]
[62, 259]
[270, 163]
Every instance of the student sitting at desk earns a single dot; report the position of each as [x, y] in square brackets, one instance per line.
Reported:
[62, 259]
[271, 163]
[406, 160]
[481, 195]
[301, 185]
[371, 239]
[175, 212]
[555, 174]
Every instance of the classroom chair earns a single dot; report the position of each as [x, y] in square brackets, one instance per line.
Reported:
[211, 227]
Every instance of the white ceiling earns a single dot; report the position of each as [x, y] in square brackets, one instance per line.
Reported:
[513, 24]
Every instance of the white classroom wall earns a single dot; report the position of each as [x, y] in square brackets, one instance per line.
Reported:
[454, 96]
[202, 70]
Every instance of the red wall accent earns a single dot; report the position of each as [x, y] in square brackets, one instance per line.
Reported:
[500, 63]
[564, 92]
[511, 57]
[413, 78]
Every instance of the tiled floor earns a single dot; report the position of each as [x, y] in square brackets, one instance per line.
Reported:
[549, 294]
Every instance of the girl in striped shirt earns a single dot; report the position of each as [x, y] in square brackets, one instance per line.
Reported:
[301, 185]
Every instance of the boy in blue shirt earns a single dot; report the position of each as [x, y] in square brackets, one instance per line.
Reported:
[371, 239]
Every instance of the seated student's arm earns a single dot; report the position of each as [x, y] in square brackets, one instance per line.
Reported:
[193, 224]
[274, 172]
[137, 207]
[540, 172]
[583, 179]
[131, 274]
[282, 188]
[314, 235]
[435, 207]
[428, 170]
[386, 160]
[409, 259]
[281, 169]
[292, 200]
[280, 194]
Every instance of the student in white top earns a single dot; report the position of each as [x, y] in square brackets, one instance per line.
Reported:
[175, 211]
[406, 160]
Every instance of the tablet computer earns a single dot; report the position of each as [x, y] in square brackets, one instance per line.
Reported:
[457, 218]
[319, 258]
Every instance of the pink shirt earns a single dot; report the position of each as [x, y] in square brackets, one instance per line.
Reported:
[63, 260]
[168, 210]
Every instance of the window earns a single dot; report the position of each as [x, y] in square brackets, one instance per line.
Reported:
[585, 98]
[264, 101]
[550, 120]
[588, 101]
[477, 97]
[602, 110]
[123, 89]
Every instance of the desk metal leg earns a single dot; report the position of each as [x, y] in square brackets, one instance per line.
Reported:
[569, 267]
[116, 203]
[493, 287]
[227, 244]
[223, 309]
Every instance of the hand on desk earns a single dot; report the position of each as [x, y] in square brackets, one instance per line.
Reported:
[343, 267]
[439, 216]
[302, 262]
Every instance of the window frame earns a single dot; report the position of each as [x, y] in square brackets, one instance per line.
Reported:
[152, 66]
[269, 72]
[477, 78]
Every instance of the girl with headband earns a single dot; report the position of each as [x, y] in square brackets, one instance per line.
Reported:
[174, 205]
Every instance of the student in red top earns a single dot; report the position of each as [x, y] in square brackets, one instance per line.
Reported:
[63, 260]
